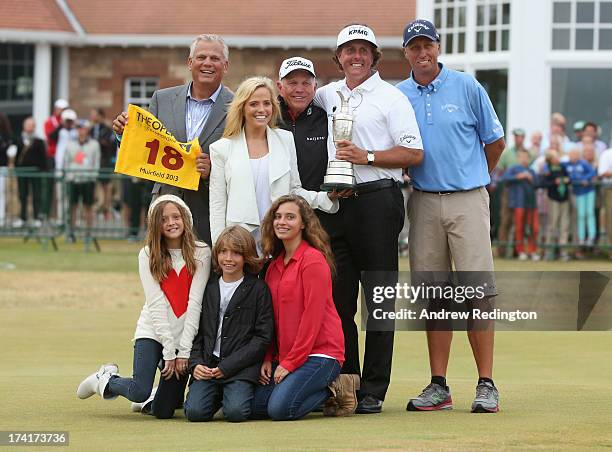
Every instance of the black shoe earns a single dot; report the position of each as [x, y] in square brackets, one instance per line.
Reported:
[369, 405]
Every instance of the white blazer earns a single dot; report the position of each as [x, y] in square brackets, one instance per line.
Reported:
[232, 189]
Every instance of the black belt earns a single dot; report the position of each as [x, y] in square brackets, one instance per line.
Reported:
[442, 193]
[369, 187]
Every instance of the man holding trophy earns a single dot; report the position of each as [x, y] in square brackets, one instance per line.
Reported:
[373, 134]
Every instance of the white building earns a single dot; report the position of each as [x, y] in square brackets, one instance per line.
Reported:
[534, 57]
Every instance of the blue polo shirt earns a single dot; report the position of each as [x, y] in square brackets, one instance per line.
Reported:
[455, 117]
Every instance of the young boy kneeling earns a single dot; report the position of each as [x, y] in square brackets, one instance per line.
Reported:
[236, 327]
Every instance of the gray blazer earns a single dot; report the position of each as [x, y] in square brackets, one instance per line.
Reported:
[169, 106]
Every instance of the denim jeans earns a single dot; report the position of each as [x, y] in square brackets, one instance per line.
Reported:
[170, 393]
[585, 207]
[205, 397]
[299, 393]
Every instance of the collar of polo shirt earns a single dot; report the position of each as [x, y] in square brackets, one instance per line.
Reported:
[368, 85]
[437, 81]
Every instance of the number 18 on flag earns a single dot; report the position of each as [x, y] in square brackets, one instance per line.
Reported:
[149, 151]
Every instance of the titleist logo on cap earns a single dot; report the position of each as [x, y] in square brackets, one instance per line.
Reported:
[297, 63]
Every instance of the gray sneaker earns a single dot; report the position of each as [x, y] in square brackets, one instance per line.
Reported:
[434, 397]
[487, 399]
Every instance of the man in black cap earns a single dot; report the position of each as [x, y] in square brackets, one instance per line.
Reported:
[449, 208]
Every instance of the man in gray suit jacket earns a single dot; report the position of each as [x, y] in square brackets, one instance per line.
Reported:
[196, 109]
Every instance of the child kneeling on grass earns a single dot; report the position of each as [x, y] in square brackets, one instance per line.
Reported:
[174, 269]
[236, 328]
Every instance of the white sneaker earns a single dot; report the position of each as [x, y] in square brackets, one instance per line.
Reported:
[535, 257]
[90, 385]
[103, 383]
[144, 407]
[523, 257]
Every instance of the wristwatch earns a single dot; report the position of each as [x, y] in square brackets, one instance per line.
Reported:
[370, 158]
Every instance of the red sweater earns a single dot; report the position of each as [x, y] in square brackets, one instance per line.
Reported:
[305, 316]
[51, 124]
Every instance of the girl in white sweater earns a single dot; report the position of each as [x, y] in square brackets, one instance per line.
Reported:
[174, 270]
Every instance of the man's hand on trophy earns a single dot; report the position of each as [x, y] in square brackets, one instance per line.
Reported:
[335, 194]
[203, 164]
[346, 150]
[120, 122]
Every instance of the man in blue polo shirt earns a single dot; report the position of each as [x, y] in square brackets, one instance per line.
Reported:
[449, 209]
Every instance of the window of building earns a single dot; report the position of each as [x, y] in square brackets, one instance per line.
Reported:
[16, 72]
[492, 25]
[450, 20]
[582, 25]
[584, 95]
[139, 90]
[495, 83]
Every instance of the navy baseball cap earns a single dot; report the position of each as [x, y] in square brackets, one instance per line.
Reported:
[420, 27]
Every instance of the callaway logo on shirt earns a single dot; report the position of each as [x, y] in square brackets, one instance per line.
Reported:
[407, 138]
[451, 108]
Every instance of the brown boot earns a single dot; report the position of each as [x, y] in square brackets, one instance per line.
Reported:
[344, 396]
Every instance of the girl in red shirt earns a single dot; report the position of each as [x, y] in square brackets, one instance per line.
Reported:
[309, 348]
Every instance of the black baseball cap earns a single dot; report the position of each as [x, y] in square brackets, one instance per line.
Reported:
[420, 27]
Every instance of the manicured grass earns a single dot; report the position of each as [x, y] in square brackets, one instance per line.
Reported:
[65, 313]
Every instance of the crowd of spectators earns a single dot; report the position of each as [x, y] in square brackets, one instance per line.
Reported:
[551, 195]
[555, 193]
[66, 178]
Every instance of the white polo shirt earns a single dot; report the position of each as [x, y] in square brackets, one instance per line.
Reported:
[384, 118]
[605, 165]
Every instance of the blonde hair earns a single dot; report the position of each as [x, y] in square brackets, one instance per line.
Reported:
[237, 239]
[313, 232]
[550, 154]
[160, 261]
[235, 113]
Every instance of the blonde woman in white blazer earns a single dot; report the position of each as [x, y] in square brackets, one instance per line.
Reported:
[255, 163]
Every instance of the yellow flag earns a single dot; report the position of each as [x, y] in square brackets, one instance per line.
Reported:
[149, 151]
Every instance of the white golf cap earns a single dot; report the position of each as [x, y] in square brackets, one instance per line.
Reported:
[293, 64]
[173, 198]
[354, 32]
[61, 103]
[69, 115]
[83, 123]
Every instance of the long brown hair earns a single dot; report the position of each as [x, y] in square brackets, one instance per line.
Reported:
[160, 261]
[236, 238]
[313, 232]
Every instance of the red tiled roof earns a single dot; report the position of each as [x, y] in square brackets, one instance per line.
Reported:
[38, 15]
[240, 17]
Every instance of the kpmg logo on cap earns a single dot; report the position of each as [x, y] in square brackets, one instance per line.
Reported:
[358, 31]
